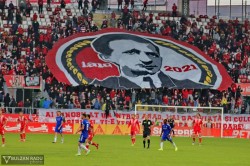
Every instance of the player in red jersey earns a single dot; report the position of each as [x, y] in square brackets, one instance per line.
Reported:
[134, 123]
[22, 120]
[3, 121]
[91, 134]
[197, 124]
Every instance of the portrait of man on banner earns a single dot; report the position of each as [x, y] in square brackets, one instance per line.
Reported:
[139, 61]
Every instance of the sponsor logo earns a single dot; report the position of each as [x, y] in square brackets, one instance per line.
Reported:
[68, 128]
[22, 159]
[43, 128]
[6, 159]
[8, 128]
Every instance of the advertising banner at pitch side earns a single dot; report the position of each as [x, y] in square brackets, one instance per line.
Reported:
[120, 59]
[237, 122]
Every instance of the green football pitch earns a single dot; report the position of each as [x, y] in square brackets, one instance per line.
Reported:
[117, 151]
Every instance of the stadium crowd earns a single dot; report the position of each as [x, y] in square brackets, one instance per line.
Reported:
[23, 52]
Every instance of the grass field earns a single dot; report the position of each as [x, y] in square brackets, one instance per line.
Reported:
[117, 151]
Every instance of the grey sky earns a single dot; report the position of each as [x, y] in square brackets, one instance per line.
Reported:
[227, 2]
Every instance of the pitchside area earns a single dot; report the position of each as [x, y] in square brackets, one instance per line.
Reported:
[117, 151]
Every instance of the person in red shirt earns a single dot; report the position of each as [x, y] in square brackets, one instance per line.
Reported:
[34, 17]
[112, 94]
[91, 134]
[127, 102]
[22, 120]
[135, 126]
[40, 5]
[185, 95]
[165, 100]
[3, 121]
[145, 2]
[174, 10]
[197, 124]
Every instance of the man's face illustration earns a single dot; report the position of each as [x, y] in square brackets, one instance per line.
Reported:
[135, 58]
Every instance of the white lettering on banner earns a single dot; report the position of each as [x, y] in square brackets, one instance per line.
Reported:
[98, 65]
[241, 133]
[8, 128]
[235, 122]
[156, 130]
[178, 132]
[42, 128]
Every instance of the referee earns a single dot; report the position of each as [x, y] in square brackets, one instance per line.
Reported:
[171, 123]
[146, 127]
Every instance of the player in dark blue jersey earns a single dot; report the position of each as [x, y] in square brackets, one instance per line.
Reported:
[84, 128]
[166, 134]
[59, 125]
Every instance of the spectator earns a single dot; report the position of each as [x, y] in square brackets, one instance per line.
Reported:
[132, 2]
[28, 8]
[94, 5]
[127, 3]
[22, 6]
[145, 3]
[119, 4]
[96, 105]
[13, 104]
[108, 106]
[86, 4]
[80, 4]
[11, 6]
[185, 95]
[113, 19]
[47, 103]
[7, 100]
[40, 6]
[70, 104]
[36, 28]
[83, 104]
[2, 5]
[48, 3]
[1, 82]
[63, 4]
[196, 99]
[18, 18]
[34, 18]
[1, 98]
[27, 105]
[94, 28]
[10, 16]
[60, 100]
[104, 23]
[174, 10]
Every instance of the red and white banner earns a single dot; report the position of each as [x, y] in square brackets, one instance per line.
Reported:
[14, 117]
[235, 122]
[19, 81]
[35, 127]
[245, 87]
[236, 126]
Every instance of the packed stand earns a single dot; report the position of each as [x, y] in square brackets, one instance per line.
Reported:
[23, 52]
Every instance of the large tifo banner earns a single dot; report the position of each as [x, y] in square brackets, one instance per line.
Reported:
[120, 59]
[234, 125]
